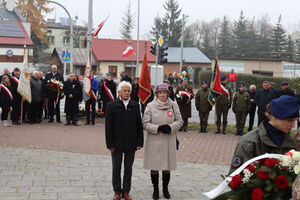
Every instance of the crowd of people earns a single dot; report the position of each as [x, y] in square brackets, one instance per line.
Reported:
[163, 114]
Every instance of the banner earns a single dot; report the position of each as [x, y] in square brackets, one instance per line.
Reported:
[24, 83]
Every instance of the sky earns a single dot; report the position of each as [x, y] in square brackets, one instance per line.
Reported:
[196, 10]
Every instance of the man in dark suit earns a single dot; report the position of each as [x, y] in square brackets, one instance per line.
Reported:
[124, 135]
[52, 95]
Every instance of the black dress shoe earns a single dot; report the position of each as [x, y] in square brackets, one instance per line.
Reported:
[218, 132]
[87, 123]
[59, 122]
[16, 123]
[204, 131]
[75, 124]
[185, 130]
[51, 120]
[223, 132]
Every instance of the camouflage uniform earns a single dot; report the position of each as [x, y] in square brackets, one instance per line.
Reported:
[241, 106]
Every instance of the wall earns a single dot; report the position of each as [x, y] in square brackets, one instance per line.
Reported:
[59, 35]
[169, 68]
[249, 65]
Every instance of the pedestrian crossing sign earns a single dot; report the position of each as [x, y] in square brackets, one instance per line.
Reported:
[66, 56]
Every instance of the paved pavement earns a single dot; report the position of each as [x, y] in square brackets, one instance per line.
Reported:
[27, 174]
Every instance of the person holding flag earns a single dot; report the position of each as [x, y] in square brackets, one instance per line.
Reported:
[221, 94]
[108, 91]
[6, 99]
[90, 103]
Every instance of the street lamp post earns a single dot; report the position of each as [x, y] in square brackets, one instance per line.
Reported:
[71, 34]
[271, 52]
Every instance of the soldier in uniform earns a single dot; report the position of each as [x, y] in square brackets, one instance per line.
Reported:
[203, 106]
[223, 105]
[184, 107]
[272, 135]
[241, 106]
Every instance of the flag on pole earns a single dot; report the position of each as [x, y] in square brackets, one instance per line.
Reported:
[24, 84]
[129, 50]
[174, 74]
[86, 91]
[99, 27]
[145, 85]
[216, 88]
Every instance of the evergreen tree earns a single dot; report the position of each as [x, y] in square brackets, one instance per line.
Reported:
[278, 37]
[127, 23]
[290, 47]
[240, 37]
[38, 48]
[225, 39]
[264, 34]
[251, 42]
[156, 28]
[169, 27]
[188, 39]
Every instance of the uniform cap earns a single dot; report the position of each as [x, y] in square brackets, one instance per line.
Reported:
[284, 107]
[223, 78]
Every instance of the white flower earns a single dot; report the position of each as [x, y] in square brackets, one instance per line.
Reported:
[247, 176]
[296, 156]
[296, 169]
[286, 161]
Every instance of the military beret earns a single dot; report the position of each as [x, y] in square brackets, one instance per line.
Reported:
[284, 83]
[284, 107]
[223, 78]
[241, 85]
[204, 82]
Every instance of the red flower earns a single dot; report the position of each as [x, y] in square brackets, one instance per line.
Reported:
[257, 194]
[236, 181]
[263, 175]
[251, 168]
[270, 162]
[262, 161]
[281, 182]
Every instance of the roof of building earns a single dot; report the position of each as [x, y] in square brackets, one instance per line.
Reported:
[111, 50]
[11, 15]
[13, 33]
[190, 55]
[63, 25]
[257, 59]
[79, 56]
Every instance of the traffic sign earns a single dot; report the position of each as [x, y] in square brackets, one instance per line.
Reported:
[160, 41]
[66, 56]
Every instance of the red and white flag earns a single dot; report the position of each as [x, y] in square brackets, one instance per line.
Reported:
[99, 27]
[174, 74]
[129, 50]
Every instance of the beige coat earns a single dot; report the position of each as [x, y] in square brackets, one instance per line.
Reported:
[160, 148]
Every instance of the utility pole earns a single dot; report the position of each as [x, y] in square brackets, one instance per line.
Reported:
[138, 42]
[89, 32]
[181, 46]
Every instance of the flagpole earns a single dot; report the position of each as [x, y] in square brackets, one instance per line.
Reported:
[138, 41]
[90, 21]
[21, 117]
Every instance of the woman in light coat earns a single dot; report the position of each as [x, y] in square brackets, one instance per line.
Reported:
[162, 120]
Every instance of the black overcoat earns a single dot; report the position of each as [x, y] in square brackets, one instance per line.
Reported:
[123, 127]
[72, 104]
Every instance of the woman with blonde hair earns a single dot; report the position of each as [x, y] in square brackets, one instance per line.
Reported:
[162, 120]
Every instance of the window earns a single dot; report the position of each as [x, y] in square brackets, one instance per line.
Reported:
[66, 40]
[113, 70]
[51, 39]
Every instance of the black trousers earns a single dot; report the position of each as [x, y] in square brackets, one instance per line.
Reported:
[90, 104]
[117, 158]
[15, 114]
[33, 111]
[261, 116]
[203, 120]
[251, 119]
[51, 104]
[4, 114]
[72, 117]
[222, 110]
